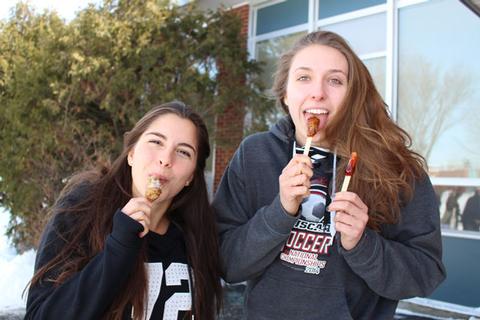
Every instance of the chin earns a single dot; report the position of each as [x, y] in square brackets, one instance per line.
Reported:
[321, 142]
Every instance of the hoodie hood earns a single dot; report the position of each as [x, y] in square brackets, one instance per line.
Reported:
[284, 129]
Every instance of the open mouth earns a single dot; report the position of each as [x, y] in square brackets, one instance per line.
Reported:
[316, 111]
[162, 180]
[321, 116]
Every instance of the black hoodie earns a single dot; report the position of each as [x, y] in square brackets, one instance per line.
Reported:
[402, 261]
[89, 293]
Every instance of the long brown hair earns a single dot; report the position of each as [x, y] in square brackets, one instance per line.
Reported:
[109, 189]
[387, 168]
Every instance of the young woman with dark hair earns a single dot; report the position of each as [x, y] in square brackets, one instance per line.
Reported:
[110, 253]
[275, 205]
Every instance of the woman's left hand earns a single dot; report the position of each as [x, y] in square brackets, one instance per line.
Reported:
[350, 219]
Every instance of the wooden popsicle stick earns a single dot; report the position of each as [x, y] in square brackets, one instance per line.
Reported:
[308, 143]
[346, 182]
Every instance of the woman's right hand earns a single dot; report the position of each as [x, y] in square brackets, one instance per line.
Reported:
[294, 182]
[139, 210]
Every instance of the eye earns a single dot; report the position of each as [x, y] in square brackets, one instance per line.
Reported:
[303, 78]
[184, 153]
[336, 81]
[155, 141]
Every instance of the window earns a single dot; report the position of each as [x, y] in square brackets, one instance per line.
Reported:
[269, 50]
[330, 8]
[439, 100]
[365, 35]
[281, 15]
[376, 67]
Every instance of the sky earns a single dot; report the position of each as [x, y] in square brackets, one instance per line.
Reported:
[65, 9]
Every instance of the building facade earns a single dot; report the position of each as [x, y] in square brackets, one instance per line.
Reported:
[424, 56]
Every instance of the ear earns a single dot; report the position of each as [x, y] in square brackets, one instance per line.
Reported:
[189, 180]
[130, 157]
[285, 102]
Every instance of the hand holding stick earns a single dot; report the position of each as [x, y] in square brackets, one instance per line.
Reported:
[346, 181]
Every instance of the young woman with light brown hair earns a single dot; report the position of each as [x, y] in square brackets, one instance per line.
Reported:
[306, 249]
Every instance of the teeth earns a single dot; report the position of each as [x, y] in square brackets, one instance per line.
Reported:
[317, 111]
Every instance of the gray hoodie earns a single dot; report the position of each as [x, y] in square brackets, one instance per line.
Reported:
[256, 234]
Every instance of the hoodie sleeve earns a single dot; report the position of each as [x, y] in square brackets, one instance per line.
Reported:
[407, 260]
[88, 293]
[250, 238]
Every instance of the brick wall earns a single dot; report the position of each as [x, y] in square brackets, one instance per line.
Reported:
[243, 12]
[229, 125]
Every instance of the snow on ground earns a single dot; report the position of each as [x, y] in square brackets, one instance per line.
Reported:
[15, 270]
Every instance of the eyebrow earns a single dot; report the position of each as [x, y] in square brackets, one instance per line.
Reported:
[162, 136]
[329, 71]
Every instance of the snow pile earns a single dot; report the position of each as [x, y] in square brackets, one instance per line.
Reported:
[15, 270]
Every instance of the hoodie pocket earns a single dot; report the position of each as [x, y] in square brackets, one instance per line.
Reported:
[279, 299]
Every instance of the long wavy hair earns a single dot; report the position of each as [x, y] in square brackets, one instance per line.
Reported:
[387, 168]
[110, 188]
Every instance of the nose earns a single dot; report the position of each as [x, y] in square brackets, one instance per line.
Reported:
[165, 163]
[318, 92]
[165, 159]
